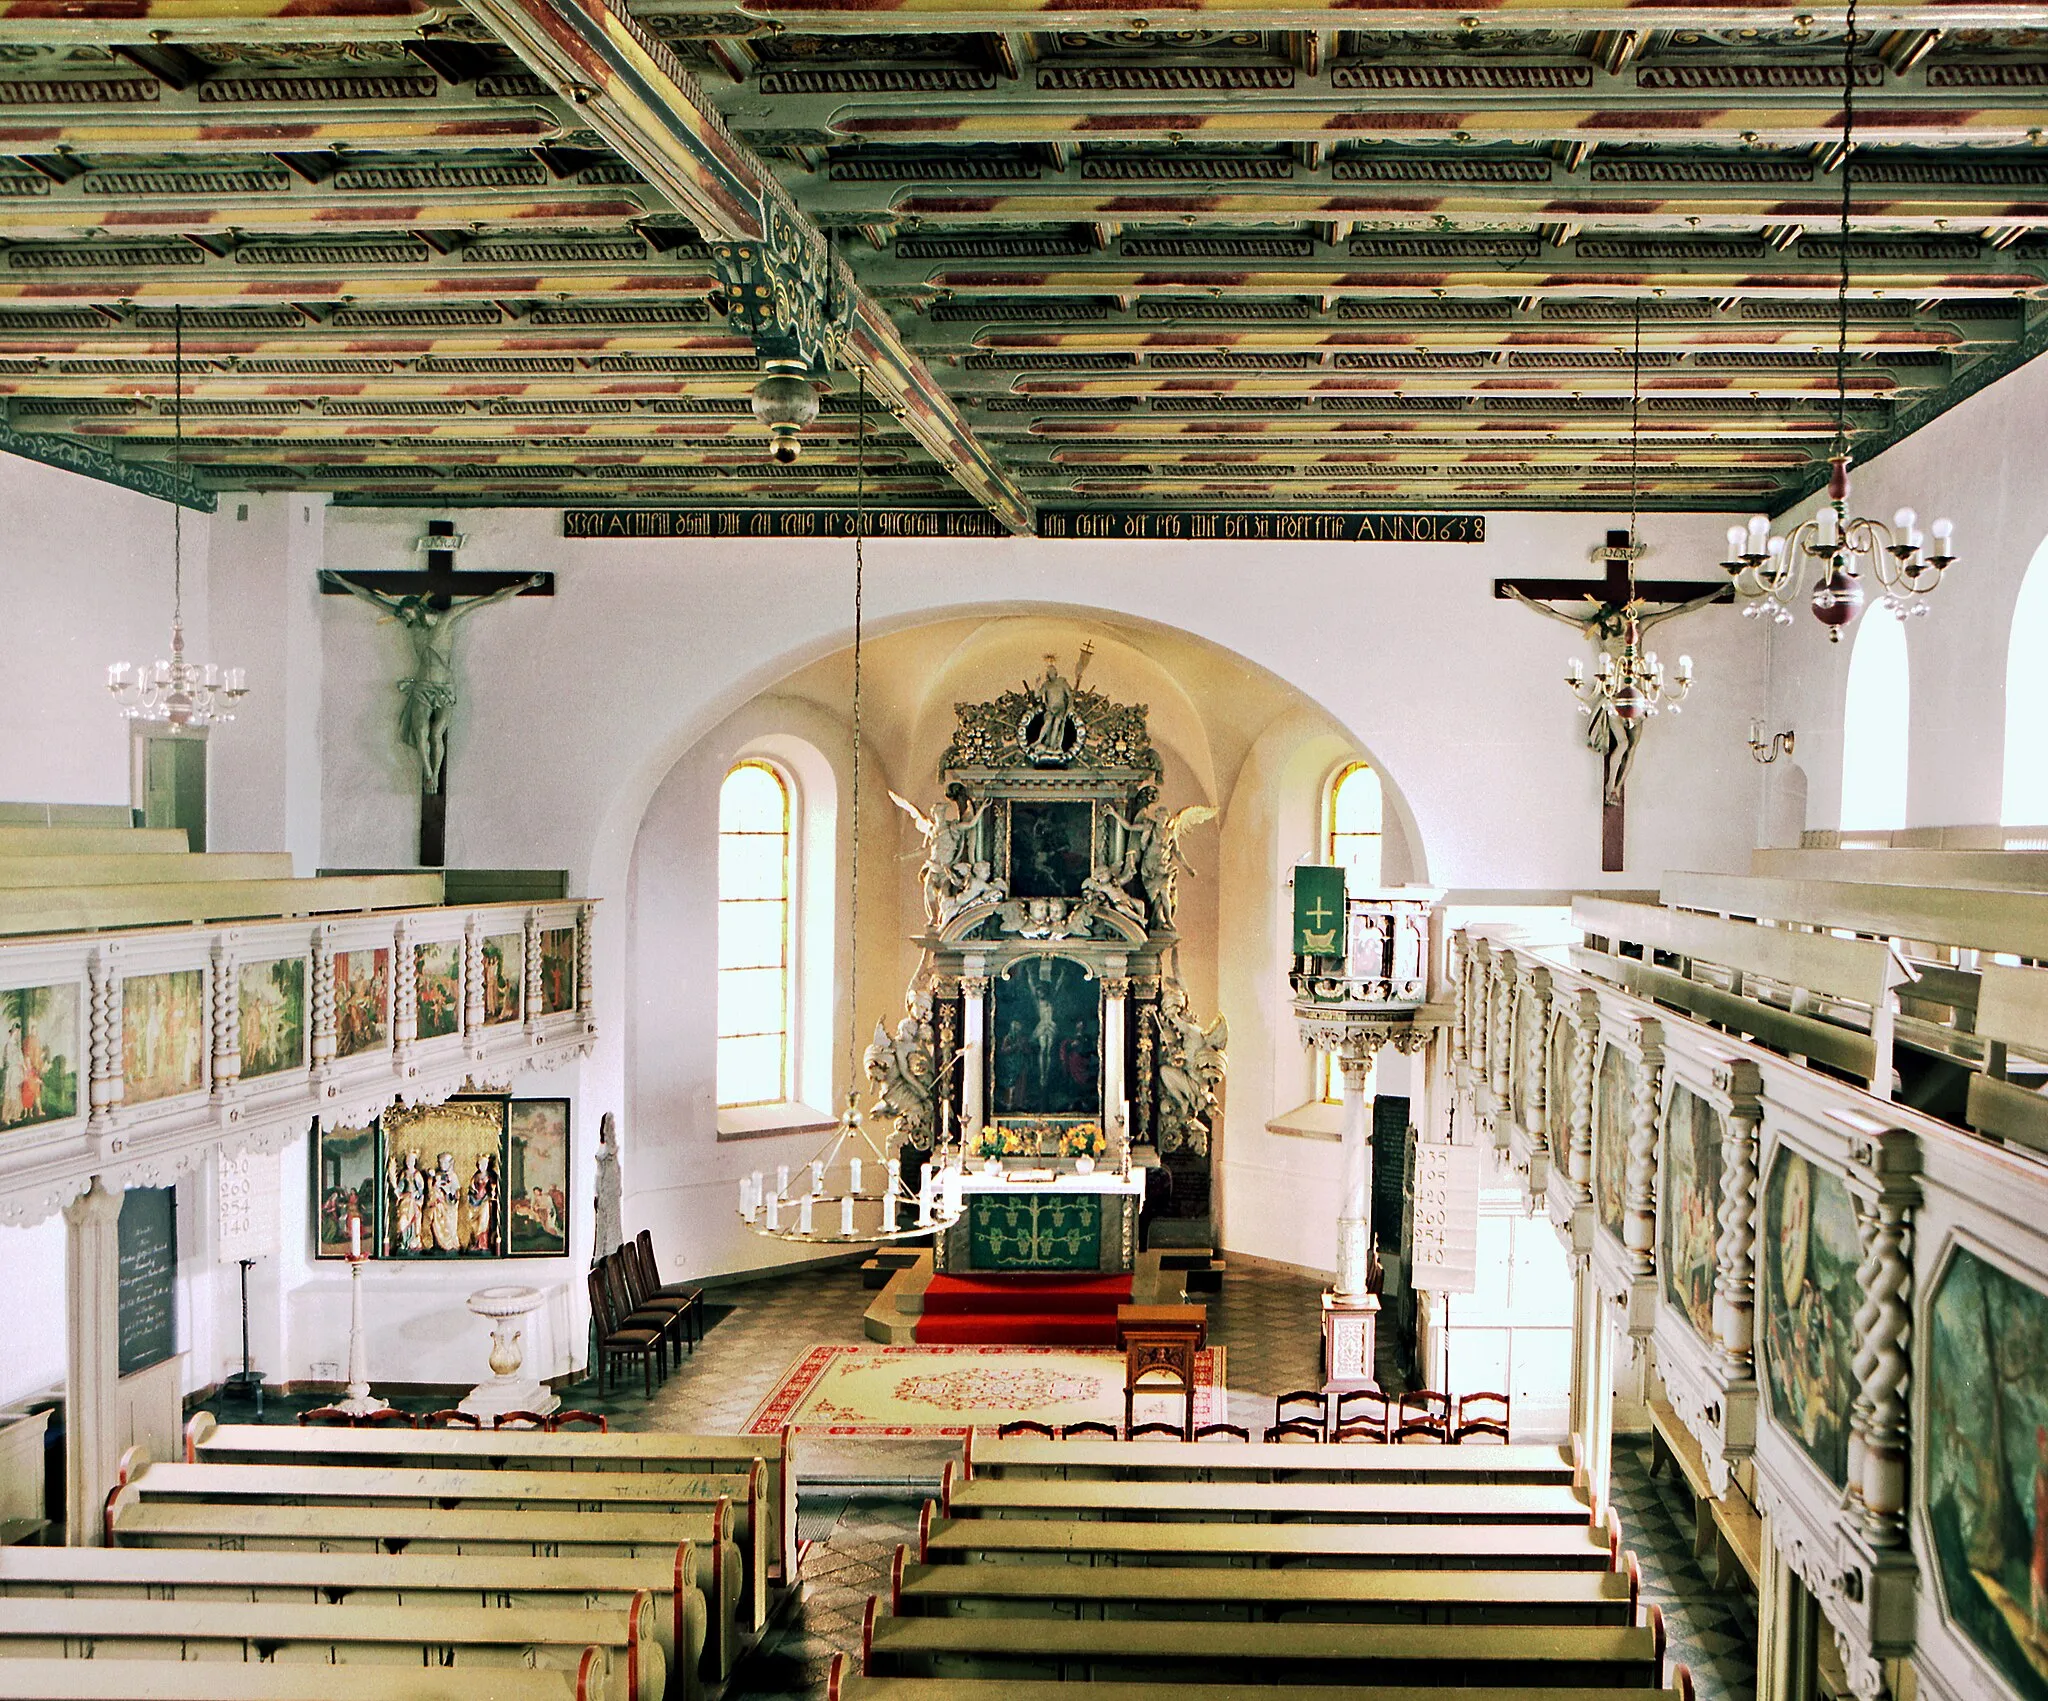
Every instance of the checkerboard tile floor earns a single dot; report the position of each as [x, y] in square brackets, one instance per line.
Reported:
[1711, 1630]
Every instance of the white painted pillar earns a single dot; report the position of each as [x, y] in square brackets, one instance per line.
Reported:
[973, 1048]
[92, 1340]
[1354, 1198]
[1116, 994]
[1599, 1448]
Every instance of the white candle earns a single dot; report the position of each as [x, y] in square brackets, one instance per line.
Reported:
[803, 1216]
[782, 1179]
[1736, 535]
[746, 1200]
[355, 1235]
[853, 1164]
[1759, 529]
[817, 1176]
[1944, 537]
[775, 1210]
[846, 1216]
[895, 1177]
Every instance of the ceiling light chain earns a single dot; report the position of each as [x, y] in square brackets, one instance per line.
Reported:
[1766, 569]
[177, 693]
[840, 1201]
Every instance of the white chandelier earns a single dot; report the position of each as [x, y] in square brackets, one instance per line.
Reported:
[1837, 550]
[852, 1193]
[177, 692]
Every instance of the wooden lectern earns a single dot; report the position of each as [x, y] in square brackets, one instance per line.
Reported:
[1160, 1343]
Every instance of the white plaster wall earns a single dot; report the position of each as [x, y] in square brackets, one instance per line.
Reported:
[1980, 465]
[32, 1338]
[85, 580]
[265, 769]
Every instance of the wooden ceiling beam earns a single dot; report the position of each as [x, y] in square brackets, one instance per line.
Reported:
[293, 21]
[636, 94]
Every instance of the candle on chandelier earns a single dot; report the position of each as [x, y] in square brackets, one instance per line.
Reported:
[746, 1199]
[1906, 523]
[1575, 672]
[1685, 667]
[1824, 521]
[803, 1215]
[1737, 535]
[924, 1199]
[853, 1165]
[775, 1210]
[846, 1216]
[1944, 537]
[782, 1179]
[895, 1177]
[1759, 529]
[817, 1175]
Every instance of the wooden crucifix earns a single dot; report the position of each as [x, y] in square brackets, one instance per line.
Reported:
[429, 605]
[1600, 611]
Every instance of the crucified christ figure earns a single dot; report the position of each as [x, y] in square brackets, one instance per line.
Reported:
[430, 691]
[1608, 627]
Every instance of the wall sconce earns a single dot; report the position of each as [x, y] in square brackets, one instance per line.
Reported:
[1768, 749]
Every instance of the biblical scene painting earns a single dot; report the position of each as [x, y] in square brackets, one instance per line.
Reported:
[1051, 848]
[557, 969]
[1047, 1039]
[502, 956]
[1689, 1202]
[39, 1053]
[443, 1180]
[1557, 1089]
[344, 1185]
[1612, 1090]
[1987, 1464]
[537, 1178]
[1807, 1274]
[271, 1001]
[362, 1000]
[439, 998]
[163, 1035]
[1525, 1067]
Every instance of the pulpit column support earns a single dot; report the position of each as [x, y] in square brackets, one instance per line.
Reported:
[1351, 1308]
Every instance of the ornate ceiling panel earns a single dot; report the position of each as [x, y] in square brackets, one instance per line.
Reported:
[541, 250]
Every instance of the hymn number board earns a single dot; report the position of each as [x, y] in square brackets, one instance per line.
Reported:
[147, 1282]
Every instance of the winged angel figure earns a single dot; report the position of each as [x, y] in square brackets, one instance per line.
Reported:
[948, 871]
[1153, 857]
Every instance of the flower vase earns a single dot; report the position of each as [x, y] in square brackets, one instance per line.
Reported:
[1084, 1165]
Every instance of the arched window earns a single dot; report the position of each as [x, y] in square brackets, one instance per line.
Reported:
[1876, 716]
[2025, 803]
[1354, 813]
[755, 807]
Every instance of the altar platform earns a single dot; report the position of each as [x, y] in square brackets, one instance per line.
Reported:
[921, 1305]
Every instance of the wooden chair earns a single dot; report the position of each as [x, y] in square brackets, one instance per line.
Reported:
[665, 1321]
[1223, 1431]
[570, 1419]
[451, 1417]
[643, 1243]
[1024, 1426]
[1363, 1414]
[331, 1416]
[1295, 1430]
[1482, 1414]
[1159, 1431]
[519, 1420]
[389, 1418]
[1313, 1404]
[1089, 1426]
[642, 1301]
[615, 1342]
[1423, 1414]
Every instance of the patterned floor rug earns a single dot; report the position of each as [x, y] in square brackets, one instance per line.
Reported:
[921, 1391]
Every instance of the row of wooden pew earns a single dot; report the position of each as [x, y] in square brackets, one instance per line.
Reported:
[1173, 1571]
[637, 1567]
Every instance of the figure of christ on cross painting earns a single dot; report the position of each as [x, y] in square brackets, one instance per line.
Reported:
[1047, 1018]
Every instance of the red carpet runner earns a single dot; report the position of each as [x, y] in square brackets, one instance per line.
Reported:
[1037, 1311]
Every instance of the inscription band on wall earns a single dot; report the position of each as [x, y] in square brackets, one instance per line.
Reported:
[1237, 525]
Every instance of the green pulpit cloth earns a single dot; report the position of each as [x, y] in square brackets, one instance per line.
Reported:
[1318, 911]
[1034, 1231]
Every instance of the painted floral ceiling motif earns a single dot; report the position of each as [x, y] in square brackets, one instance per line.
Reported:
[429, 255]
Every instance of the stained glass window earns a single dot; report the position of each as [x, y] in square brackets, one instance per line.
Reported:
[754, 810]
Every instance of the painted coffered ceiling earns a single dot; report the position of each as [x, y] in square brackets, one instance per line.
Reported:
[1210, 256]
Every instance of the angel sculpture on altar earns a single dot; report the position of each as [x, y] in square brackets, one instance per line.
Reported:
[1154, 857]
[1190, 1070]
[948, 869]
[903, 1070]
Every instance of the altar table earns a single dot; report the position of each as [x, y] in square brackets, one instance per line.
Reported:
[1067, 1223]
